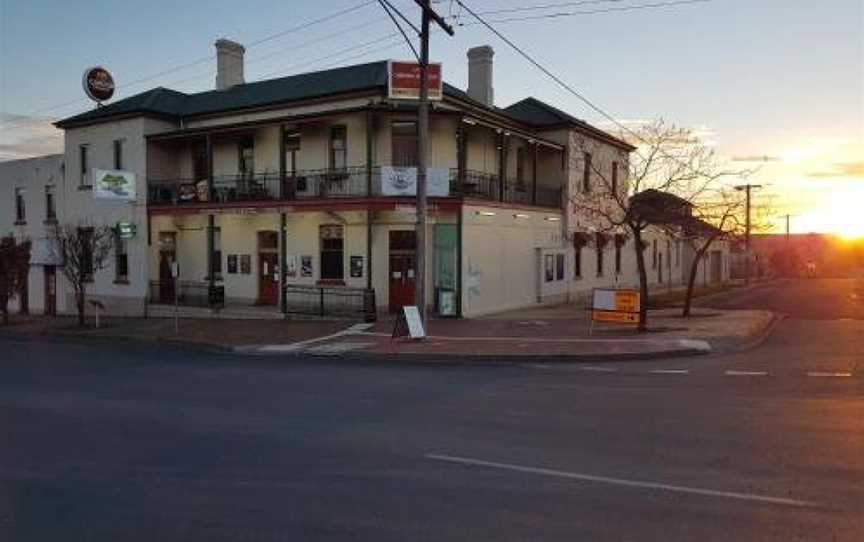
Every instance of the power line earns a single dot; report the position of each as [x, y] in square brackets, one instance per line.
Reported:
[387, 7]
[587, 12]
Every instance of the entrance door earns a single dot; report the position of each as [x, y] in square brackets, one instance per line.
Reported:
[167, 255]
[402, 267]
[268, 258]
[50, 290]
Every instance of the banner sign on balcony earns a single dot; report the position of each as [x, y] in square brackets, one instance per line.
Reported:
[404, 80]
[402, 181]
[113, 184]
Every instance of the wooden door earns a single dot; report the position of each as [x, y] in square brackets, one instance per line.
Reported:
[268, 286]
[268, 267]
[50, 290]
[401, 281]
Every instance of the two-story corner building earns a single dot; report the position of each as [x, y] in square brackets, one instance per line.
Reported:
[279, 192]
[31, 191]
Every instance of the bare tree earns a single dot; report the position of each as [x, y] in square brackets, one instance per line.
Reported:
[14, 266]
[668, 160]
[84, 250]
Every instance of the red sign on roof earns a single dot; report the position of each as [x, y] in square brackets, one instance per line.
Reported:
[404, 80]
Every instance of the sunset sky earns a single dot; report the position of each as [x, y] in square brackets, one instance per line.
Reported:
[775, 83]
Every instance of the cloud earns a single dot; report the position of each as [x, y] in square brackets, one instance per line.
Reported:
[754, 158]
[23, 136]
[841, 169]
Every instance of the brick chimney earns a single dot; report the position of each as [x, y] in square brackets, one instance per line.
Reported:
[480, 74]
[229, 64]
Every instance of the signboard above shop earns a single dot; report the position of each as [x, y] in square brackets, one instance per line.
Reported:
[404, 80]
[113, 184]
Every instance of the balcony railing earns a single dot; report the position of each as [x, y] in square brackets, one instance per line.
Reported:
[351, 182]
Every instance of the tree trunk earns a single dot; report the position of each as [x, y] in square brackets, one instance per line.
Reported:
[691, 283]
[643, 281]
[79, 303]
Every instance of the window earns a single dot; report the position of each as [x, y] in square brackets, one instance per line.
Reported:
[247, 157]
[600, 242]
[559, 267]
[654, 254]
[618, 244]
[85, 238]
[50, 205]
[668, 254]
[20, 208]
[85, 165]
[577, 262]
[118, 154]
[614, 177]
[586, 174]
[121, 260]
[332, 258]
[338, 147]
[404, 143]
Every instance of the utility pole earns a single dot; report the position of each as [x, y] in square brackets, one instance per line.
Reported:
[422, 152]
[788, 216]
[747, 188]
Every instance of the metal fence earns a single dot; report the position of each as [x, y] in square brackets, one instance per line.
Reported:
[186, 294]
[323, 301]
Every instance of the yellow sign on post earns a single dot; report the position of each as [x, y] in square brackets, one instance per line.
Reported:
[615, 306]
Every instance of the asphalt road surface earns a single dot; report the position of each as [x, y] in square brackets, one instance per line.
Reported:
[128, 442]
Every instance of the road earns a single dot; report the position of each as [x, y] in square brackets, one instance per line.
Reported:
[130, 442]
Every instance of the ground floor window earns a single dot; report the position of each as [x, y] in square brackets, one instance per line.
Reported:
[445, 260]
[121, 260]
[577, 263]
[332, 252]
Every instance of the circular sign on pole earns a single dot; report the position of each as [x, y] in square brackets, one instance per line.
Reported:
[98, 84]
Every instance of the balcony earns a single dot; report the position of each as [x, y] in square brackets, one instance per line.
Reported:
[352, 182]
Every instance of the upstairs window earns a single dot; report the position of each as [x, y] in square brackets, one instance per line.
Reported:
[50, 204]
[247, 157]
[20, 207]
[586, 174]
[404, 143]
[338, 147]
[84, 161]
[614, 178]
[200, 165]
[118, 154]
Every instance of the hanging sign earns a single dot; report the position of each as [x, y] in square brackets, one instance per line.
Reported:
[98, 84]
[402, 181]
[404, 80]
[126, 230]
[113, 184]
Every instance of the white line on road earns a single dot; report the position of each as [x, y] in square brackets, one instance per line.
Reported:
[746, 373]
[829, 374]
[670, 371]
[622, 481]
[598, 369]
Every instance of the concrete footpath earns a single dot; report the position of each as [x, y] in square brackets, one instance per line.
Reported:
[548, 334]
[558, 333]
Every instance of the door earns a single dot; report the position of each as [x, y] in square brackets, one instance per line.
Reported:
[401, 269]
[50, 290]
[167, 255]
[268, 262]
[716, 266]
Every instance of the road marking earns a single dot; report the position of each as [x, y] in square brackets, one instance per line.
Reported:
[623, 481]
[598, 369]
[670, 371]
[746, 373]
[829, 374]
